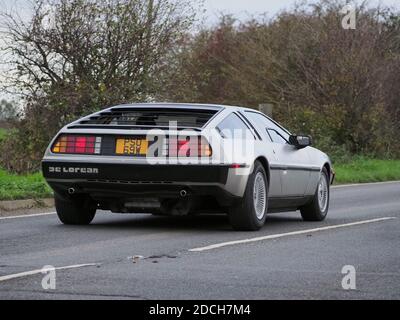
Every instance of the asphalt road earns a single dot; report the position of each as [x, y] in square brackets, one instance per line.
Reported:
[281, 264]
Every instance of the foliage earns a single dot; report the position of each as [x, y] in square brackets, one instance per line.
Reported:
[339, 85]
[3, 133]
[14, 187]
[8, 111]
[75, 57]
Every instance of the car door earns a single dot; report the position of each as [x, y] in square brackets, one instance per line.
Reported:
[292, 164]
[261, 145]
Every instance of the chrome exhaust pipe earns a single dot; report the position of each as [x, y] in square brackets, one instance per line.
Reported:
[71, 190]
[183, 193]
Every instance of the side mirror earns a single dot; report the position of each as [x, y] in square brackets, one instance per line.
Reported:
[300, 141]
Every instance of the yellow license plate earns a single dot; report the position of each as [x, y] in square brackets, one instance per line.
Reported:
[132, 146]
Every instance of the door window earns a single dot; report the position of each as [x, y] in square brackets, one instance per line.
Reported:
[276, 132]
[233, 123]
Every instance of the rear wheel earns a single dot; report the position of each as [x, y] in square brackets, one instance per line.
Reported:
[317, 209]
[251, 213]
[80, 211]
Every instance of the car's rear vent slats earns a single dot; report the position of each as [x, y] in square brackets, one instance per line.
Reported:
[131, 118]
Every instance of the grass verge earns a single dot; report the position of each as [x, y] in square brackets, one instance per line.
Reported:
[367, 170]
[14, 187]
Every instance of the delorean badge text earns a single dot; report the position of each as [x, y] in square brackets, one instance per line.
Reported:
[73, 170]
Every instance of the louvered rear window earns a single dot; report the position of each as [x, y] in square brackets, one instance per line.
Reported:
[150, 118]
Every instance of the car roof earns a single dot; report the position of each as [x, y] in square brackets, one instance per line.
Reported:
[215, 107]
[204, 106]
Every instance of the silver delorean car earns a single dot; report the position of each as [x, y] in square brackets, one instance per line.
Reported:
[179, 159]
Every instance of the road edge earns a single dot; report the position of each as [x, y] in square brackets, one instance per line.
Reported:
[11, 207]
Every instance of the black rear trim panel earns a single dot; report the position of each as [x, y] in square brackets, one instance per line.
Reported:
[135, 172]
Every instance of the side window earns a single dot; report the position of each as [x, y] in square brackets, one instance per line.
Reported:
[231, 123]
[276, 137]
[277, 134]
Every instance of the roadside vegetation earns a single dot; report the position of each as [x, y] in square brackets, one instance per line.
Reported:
[30, 186]
[367, 170]
[3, 133]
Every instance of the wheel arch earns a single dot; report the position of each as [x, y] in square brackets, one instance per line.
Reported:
[265, 164]
[327, 166]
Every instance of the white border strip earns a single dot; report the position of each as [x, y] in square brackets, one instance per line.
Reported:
[28, 215]
[33, 272]
[281, 235]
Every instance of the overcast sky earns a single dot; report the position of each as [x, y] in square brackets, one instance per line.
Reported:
[240, 8]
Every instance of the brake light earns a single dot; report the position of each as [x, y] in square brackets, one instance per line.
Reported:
[237, 166]
[187, 148]
[184, 148]
[77, 144]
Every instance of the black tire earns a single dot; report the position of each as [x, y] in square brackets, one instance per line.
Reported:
[243, 217]
[313, 210]
[80, 211]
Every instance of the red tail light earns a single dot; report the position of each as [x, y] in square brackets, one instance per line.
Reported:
[187, 148]
[77, 144]
[183, 148]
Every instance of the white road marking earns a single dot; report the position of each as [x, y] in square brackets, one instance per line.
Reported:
[363, 184]
[33, 272]
[293, 233]
[28, 215]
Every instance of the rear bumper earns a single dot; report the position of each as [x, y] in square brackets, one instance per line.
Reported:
[124, 181]
[132, 173]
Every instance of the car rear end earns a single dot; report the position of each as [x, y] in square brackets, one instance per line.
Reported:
[135, 159]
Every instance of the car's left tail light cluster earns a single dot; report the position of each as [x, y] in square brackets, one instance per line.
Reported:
[77, 144]
[198, 147]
